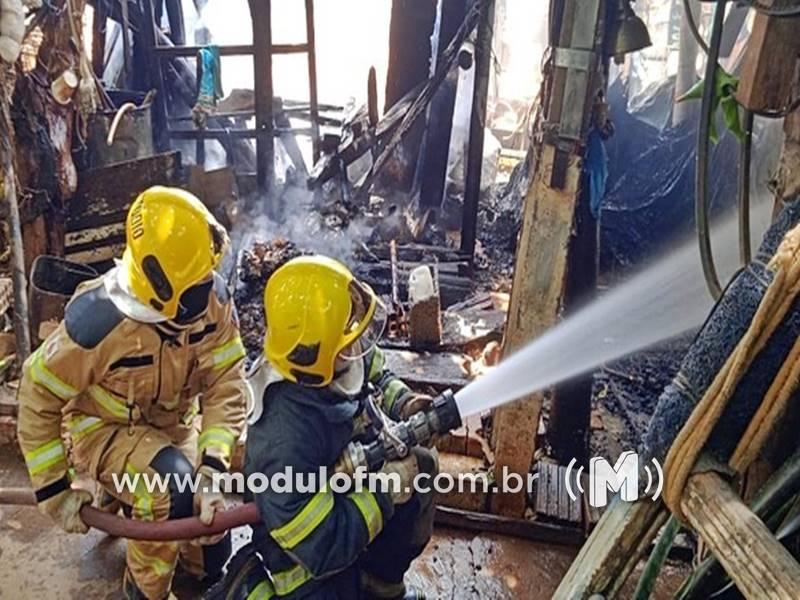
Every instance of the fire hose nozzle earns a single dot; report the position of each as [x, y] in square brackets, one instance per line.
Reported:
[442, 416]
[446, 411]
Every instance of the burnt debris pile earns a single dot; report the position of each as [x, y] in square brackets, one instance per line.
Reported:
[256, 264]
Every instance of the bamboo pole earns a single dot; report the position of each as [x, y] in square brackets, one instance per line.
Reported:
[759, 565]
[21, 321]
[624, 532]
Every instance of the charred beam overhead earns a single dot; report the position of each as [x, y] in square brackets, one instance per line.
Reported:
[231, 50]
[221, 134]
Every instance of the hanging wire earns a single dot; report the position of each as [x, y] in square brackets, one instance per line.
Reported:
[703, 153]
[689, 15]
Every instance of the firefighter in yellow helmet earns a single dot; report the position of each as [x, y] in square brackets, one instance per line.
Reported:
[141, 351]
[324, 383]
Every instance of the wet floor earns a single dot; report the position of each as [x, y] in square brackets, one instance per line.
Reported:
[38, 561]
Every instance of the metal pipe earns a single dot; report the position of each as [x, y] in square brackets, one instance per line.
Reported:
[745, 159]
[162, 531]
[703, 152]
[112, 131]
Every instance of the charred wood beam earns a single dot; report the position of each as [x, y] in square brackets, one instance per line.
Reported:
[261, 17]
[177, 29]
[410, 30]
[420, 103]
[452, 286]
[420, 253]
[474, 167]
[155, 77]
[435, 150]
[533, 530]
[99, 40]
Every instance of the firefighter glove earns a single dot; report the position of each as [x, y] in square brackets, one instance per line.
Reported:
[406, 471]
[207, 500]
[65, 509]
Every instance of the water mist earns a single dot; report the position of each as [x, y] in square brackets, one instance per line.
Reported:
[663, 301]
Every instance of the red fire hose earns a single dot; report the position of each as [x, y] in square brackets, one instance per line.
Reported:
[162, 531]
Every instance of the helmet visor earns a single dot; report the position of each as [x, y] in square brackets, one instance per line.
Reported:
[366, 306]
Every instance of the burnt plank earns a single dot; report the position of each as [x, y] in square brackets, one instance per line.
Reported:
[439, 370]
[541, 489]
[535, 530]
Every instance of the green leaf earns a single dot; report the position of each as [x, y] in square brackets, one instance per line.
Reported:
[693, 93]
[725, 86]
[730, 114]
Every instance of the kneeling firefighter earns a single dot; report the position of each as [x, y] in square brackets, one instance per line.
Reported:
[140, 351]
[324, 384]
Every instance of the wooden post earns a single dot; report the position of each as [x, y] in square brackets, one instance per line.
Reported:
[547, 228]
[312, 78]
[538, 286]
[769, 64]
[260, 12]
[435, 150]
[155, 76]
[99, 39]
[409, 47]
[477, 128]
[127, 58]
[787, 179]
[760, 566]
[177, 29]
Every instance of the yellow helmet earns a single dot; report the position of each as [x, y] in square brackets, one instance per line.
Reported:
[173, 243]
[317, 311]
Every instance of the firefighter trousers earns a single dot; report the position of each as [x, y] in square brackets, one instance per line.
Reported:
[377, 575]
[123, 459]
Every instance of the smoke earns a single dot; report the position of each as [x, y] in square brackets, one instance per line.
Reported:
[313, 225]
